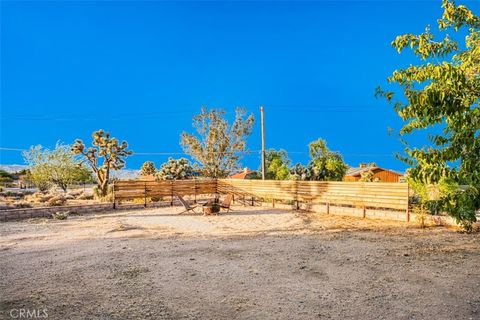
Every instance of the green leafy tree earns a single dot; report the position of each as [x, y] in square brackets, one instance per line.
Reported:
[441, 95]
[325, 165]
[299, 172]
[5, 176]
[105, 154]
[175, 169]
[54, 167]
[148, 169]
[218, 146]
[276, 165]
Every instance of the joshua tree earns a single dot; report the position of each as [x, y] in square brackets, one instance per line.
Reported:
[175, 169]
[148, 168]
[112, 152]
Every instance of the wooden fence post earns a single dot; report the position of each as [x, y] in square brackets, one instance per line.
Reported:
[171, 200]
[145, 195]
[364, 211]
[408, 203]
[273, 203]
[328, 207]
[113, 195]
[195, 190]
[296, 194]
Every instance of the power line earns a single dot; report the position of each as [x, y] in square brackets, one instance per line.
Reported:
[157, 114]
[236, 152]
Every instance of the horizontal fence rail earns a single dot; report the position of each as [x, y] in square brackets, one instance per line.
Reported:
[359, 194]
[135, 189]
[361, 198]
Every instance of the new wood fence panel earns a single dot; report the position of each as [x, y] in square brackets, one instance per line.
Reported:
[358, 194]
[131, 189]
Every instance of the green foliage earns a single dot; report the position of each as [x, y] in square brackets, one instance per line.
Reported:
[366, 176]
[5, 176]
[299, 172]
[442, 94]
[106, 154]
[218, 145]
[276, 165]
[148, 169]
[325, 165]
[175, 169]
[369, 175]
[54, 167]
[103, 197]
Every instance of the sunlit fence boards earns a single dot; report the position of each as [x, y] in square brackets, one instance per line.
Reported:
[358, 197]
[358, 194]
[136, 189]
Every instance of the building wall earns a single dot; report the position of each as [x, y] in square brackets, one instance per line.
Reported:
[383, 175]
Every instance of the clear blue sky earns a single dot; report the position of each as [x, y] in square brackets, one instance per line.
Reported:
[141, 70]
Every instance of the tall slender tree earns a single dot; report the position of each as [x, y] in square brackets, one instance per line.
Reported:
[218, 146]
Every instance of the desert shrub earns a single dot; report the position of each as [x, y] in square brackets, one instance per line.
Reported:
[142, 200]
[22, 204]
[421, 214]
[85, 196]
[75, 193]
[98, 195]
[60, 215]
[45, 197]
[57, 200]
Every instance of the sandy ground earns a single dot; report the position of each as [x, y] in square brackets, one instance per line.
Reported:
[249, 264]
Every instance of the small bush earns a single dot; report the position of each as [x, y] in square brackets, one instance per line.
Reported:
[56, 201]
[421, 214]
[107, 198]
[22, 204]
[85, 196]
[75, 193]
[60, 215]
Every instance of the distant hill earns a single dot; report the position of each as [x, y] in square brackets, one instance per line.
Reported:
[12, 168]
[121, 174]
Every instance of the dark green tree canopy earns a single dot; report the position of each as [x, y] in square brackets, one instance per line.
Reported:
[325, 165]
[276, 165]
[441, 95]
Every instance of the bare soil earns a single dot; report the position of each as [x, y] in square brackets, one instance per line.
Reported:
[248, 264]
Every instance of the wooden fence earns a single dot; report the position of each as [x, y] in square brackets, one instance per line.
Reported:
[137, 189]
[352, 198]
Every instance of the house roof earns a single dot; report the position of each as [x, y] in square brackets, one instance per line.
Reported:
[356, 171]
[149, 177]
[242, 175]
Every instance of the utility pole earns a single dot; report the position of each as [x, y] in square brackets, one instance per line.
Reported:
[263, 141]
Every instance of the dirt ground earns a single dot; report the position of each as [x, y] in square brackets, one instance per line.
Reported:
[248, 264]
